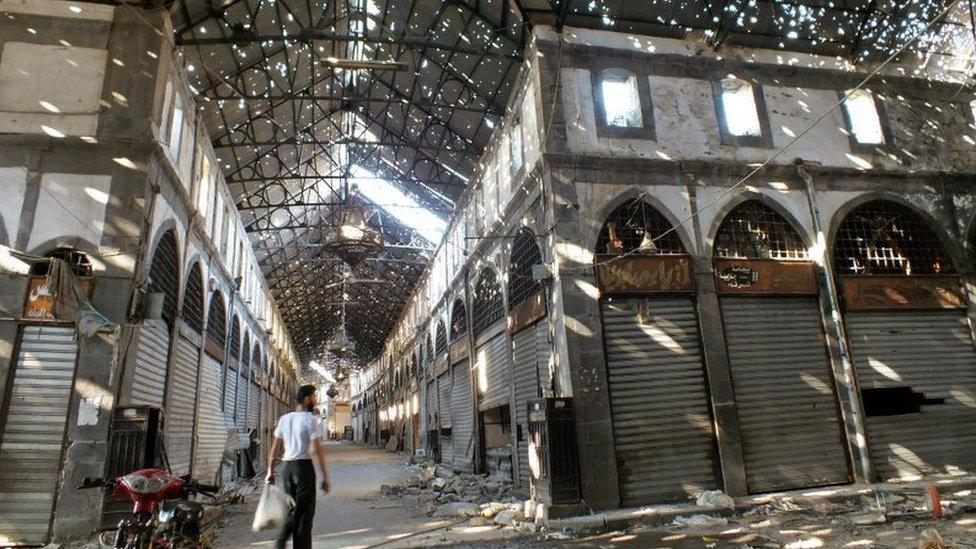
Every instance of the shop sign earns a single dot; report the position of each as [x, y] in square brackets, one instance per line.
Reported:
[764, 276]
[526, 313]
[867, 292]
[41, 297]
[644, 274]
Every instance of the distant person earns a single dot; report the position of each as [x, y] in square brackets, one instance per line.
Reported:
[300, 434]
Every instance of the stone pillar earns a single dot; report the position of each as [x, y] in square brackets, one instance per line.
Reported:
[720, 391]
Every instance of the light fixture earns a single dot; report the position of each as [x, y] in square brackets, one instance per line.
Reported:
[352, 240]
[366, 64]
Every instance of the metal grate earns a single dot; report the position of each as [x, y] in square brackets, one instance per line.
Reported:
[246, 356]
[256, 364]
[884, 238]
[193, 299]
[235, 341]
[637, 227]
[488, 305]
[429, 350]
[525, 254]
[459, 320]
[217, 321]
[441, 338]
[753, 230]
[164, 274]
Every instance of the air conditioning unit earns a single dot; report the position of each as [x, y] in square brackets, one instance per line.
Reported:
[555, 464]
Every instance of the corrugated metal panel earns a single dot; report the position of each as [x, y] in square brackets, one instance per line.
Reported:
[495, 361]
[230, 395]
[33, 439]
[211, 429]
[543, 348]
[784, 393]
[444, 404]
[526, 387]
[241, 414]
[149, 380]
[661, 423]
[932, 353]
[253, 406]
[180, 406]
[462, 412]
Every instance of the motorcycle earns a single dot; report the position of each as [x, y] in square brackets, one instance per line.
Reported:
[162, 515]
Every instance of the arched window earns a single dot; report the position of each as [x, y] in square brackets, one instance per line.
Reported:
[753, 230]
[193, 299]
[235, 340]
[487, 304]
[885, 238]
[256, 360]
[217, 320]
[429, 348]
[525, 253]
[440, 337]
[459, 320]
[636, 227]
[246, 356]
[164, 274]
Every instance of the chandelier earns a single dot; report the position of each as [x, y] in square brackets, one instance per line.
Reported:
[352, 240]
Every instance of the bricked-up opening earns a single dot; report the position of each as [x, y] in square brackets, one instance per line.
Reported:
[217, 320]
[637, 228]
[193, 299]
[621, 98]
[753, 230]
[487, 304]
[164, 274]
[885, 238]
[440, 338]
[459, 320]
[525, 254]
[863, 118]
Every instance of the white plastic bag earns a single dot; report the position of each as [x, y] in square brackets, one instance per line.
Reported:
[272, 509]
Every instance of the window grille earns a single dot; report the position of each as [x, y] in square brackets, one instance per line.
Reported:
[755, 231]
[256, 360]
[459, 320]
[164, 274]
[217, 321]
[246, 356]
[235, 341]
[488, 305]
[525, 254]
[441, 338]
[193, 299]
[429, 348]
[637, 227]
[886, 238]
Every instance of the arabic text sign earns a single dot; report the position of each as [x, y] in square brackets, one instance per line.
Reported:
[765, 276]
[903, 292]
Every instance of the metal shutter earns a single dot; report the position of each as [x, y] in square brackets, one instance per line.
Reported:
[430, 411]
[543, 350]
[241, 413]
[661, 423]
[444, 404]
[230, 395]
[253, 406]
[180, 406]
[784, 393]
[149, 380]
[495, 357]
[211, 429]
[526, 387]
[33, 439]
[462, 412]
[932, 353]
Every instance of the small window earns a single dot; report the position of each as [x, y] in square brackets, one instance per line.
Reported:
[176, 128]
[863, 119]
[621, 99]
[739, 110]
[516, 147]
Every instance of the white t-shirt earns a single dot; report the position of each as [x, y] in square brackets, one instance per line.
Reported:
[296, 430]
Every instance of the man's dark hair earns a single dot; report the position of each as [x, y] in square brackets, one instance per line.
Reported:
[304, 391]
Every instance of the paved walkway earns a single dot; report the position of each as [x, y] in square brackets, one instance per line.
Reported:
[351, 515]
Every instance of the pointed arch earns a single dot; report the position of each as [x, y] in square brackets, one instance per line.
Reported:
[525, 253]
[488, 304]
[638, 228]
[217, 320]
[753, 230]
[164, 274]
[440, 338]
[193, 298]
[883, 237]
[459, 320]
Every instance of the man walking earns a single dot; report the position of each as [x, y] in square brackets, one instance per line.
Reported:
[300, 435]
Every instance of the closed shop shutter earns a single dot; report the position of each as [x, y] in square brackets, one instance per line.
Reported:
[444, 405]
[526, 388]
[149, 380]
[921, 356]
[180, 406]
[432, 410]
[543, 350]
[784, 393]
[661, 423]
[230, 395]
[462, 412]
[254, 406]
[496, 356]
[211, 429]
[33, 437]
[242, 384]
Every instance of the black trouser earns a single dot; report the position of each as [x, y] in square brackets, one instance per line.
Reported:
[298, 481]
